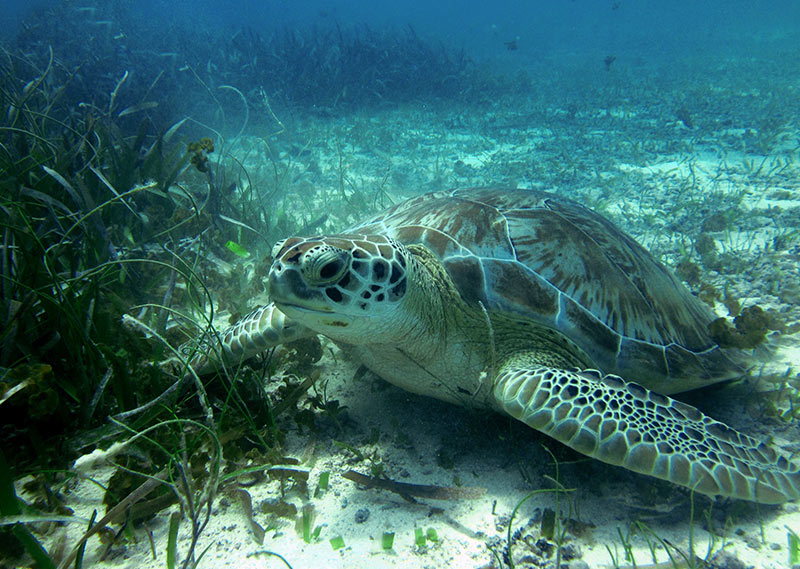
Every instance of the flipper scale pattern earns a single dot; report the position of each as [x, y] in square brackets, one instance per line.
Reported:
[624, 424]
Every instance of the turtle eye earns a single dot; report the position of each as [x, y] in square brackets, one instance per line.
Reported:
[331, 270]
[324, 266]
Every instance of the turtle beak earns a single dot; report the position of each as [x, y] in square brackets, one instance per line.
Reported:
[288, 288]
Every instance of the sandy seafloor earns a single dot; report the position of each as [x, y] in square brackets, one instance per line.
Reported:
[645, 170]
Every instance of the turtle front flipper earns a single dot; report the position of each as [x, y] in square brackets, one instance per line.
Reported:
[263, 328]
[626, 425]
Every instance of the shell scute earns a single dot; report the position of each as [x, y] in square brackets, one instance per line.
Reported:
[468, 275]
[549, 259]
[503, 282]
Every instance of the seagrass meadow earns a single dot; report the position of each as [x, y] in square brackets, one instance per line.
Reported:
[148, 168]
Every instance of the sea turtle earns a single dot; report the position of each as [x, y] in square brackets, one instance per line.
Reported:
[530, 304]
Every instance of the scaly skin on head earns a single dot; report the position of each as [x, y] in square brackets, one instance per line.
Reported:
[353, 289]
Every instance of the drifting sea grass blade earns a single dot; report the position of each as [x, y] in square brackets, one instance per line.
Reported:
[246, 108]
[73, 193]
[279, 472]
[82, 549]
[115, 91]
[51, 202]
[153, 84]
[172, 540]
[247, 505]
[241, 224]
[11, 391]
[417, 490]
[171, 130]
[138, 108]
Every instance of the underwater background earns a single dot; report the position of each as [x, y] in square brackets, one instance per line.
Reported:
[152, 153]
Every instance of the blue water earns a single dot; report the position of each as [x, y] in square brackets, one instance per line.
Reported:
[551, 50]
[650, 28]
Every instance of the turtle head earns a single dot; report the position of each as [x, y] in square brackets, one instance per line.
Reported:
[347, 287]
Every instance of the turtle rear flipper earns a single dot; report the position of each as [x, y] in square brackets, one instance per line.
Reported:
[263, 328]
[626, 425]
